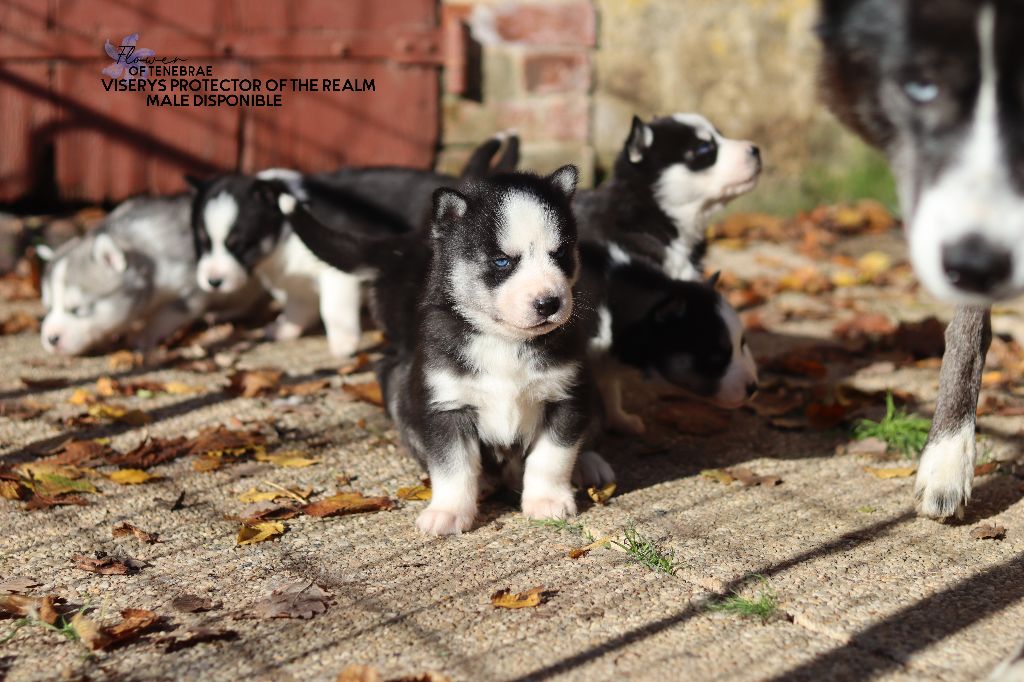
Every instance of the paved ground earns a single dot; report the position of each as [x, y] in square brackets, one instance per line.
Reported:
[865, 588]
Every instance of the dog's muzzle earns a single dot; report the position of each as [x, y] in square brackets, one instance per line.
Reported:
[976, 265]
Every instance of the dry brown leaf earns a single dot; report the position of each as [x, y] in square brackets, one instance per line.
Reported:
[134, 622]
[132, 476]
[150, 452]
[986, 468]
[302, 599]
[694, 418]
[20, 605]
[250, 383]
[748, 478]
[504, 599]
[82, 453]
[583, 551]
[348, 503]
[207, 464]
[259, 532]
[601, 495]
[719, 475]
[797, 363]
[191, 603]
[891, 472]
[988, 531]
[305, 387]
[775, 403]
[123, 360]
[366, 391]
[43, 502]
[18, 322]
[45, 384]
[24, 409]
[220, 441]
[414, 493]
[89, 632]
[16, 585]
[126, 529]
[287, 458]
[106, 565]
[357, 363]
[359, 673]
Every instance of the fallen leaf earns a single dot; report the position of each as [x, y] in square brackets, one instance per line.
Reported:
[150, 452]
[191, 603]
[366, 391]
[18, 322]
[89, 632]
[796, 362]
[823, 416]
[23, 410]
[277, 492]
[81, 453]
[775, 403]
[42, 502]
[601, 495]
[16, 585]
[266, 511]
[259, 532]
[583, 551]
[504, 599]
[250, 383]
[694, 418]
[123, 360]
[871, 326]
[134, 622]
[302, 599]
[305, 387]
[289, 458]
[219, 441]
[748, 478]
[34, 607]
[117, 413]
[891, 472]
[106, 565]
[414, 493]
[45, 384]
[988, 531]
[359, 673]
[723, 477]
[207, 464]
[14, 490]
[132, 476]
[126, 529]
[357, 363]
[348, 503]
[198, 635]
[986, 468]
[56, 481]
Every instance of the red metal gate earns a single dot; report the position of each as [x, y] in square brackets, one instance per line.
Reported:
[55, 113]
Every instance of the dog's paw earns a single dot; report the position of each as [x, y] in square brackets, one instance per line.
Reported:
[626, 424]
[592, 470]
[554, 505]
[342, 343]
[438, 521]
[284, 330]
[946, 473]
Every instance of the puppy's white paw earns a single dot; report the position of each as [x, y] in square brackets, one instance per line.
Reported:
[592, 470]
[440, 521]
[626, 424]
[342, 343]
[554, 505]
[946, 473]
[284, 330]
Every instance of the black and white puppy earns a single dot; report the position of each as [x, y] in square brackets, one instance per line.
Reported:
[240, 232]
[671, 174]
[938, 87]
[683, 332]
[488, 370]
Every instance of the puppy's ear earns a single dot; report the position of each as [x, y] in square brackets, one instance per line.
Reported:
[670, 308]
[449, 205]
[565, 179]
[713, 279]
[106, 250]
[197, 185]
[640, 138]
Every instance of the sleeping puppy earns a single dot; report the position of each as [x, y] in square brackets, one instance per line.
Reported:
[240, 232]
[671, 174]
[135, 275]
[937, 87]
[488, 368]
[683, 332]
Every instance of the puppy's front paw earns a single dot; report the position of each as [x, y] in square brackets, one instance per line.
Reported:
[946, 473]
[592, 470]
[342, 344]
[284, 330]
[555, 505]
[439, 521]
[626, 424]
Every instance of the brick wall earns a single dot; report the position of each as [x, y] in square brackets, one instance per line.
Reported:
[536, 67]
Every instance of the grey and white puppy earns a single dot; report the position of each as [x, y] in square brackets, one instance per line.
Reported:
[937, 86]
[134, 275]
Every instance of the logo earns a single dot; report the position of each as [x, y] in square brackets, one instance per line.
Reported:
[129, 61]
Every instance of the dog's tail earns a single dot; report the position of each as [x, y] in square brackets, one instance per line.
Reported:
[348, 251]
[480, 161]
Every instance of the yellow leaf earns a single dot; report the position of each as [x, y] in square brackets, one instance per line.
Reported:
[844, 278]
[891, 472]
[207, 463]
[123, 359]
[107, 387]
[12, 490]
[874, 263]
[602, 494]
[524, 600]
[718, 475]
[583, 551]
[250, 534]
[180, 388]
[290, 458]
[257, 495]
[414, 493]
[81, 397]
[131, 476]
[119, 414]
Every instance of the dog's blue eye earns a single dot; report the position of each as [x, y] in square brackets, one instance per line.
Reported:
[502, 263]
[79, 311]
[559, 252]
[704, 149]
[921, 92]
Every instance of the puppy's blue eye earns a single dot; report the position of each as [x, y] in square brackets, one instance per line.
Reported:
[702, 156]
[502, 263]
[921, 92]
[79, 311]
[559, 252]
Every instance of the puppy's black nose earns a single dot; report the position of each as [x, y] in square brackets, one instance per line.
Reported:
[53, 339]
[976, 264]
[751, 389]
[755, 151]
[215, 282]
[548, 306]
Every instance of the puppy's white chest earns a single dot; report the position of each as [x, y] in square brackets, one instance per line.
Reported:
[291, 268]
[677, 263]
[509, 390]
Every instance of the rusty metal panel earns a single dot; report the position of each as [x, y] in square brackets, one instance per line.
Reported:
[111, 145]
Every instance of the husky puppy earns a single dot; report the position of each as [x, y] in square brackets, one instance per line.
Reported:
[240, 232]
[683, 332]
[936, 86]
[488, 370]
[671, 174]
[134, 274]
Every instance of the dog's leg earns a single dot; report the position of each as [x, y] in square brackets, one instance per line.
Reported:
[592, 470]
[946, 471]
[454, 467]
[339, 309]
[547, 478]
[164, 323]
[299, 314]
[616, 418]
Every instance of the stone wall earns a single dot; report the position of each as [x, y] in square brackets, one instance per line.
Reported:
[569, 74]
